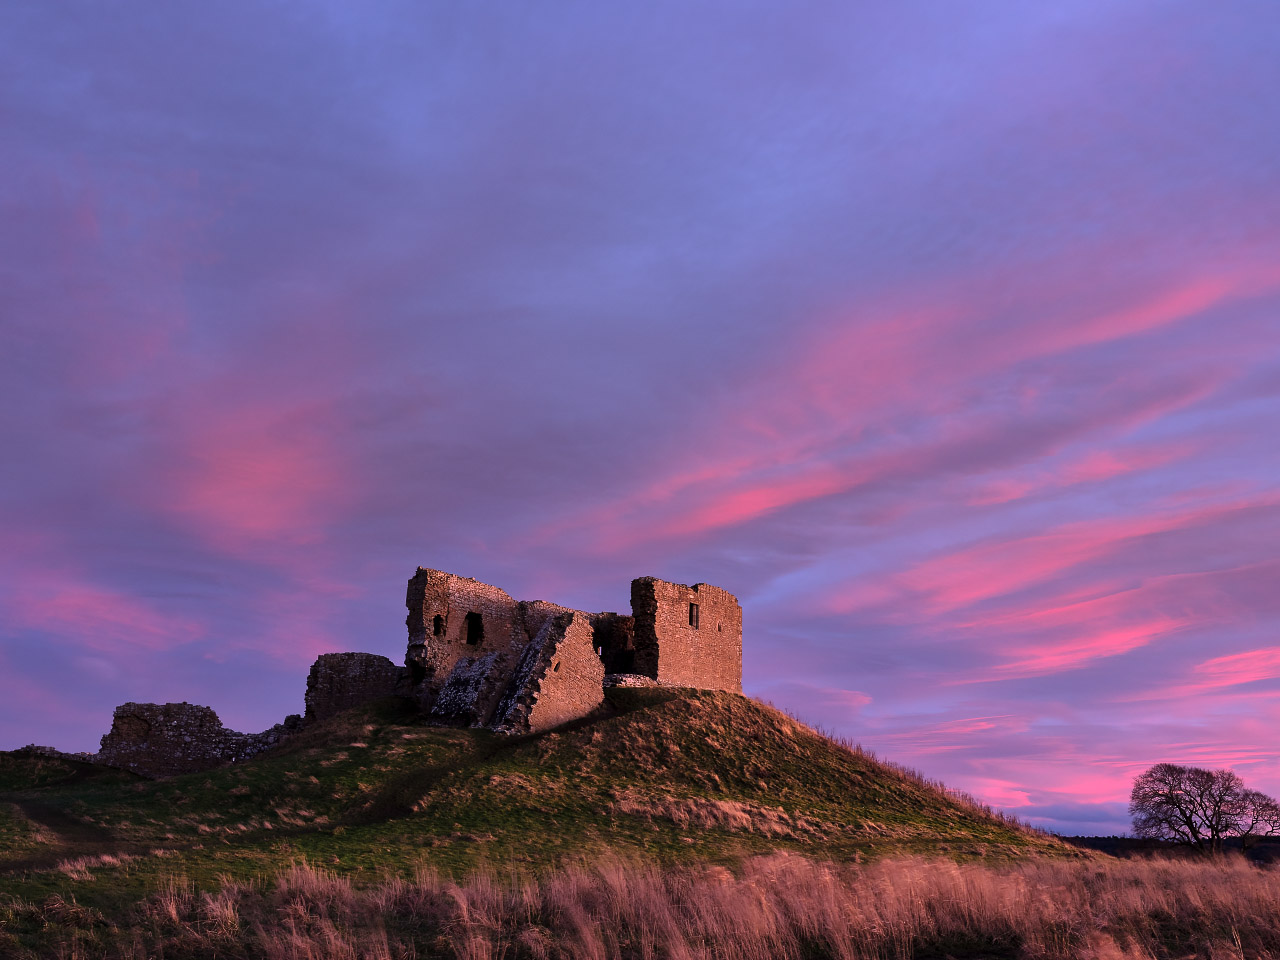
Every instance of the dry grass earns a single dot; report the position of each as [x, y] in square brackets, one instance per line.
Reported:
[77, 868]
[701, 814]
[772, 908]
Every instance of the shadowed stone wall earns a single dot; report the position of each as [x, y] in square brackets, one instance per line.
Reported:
[615, 639]
[340, 681]
[167, 739]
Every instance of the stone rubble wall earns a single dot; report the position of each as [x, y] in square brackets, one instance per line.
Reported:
[630, 680]
[474, 685]
[169, 739]
[340, 681]
[39, 750]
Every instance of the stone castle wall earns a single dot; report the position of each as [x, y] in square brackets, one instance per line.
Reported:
[476, 654]
[453, 618]
[687, 636]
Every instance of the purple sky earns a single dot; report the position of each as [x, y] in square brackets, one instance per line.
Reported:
[946, 336]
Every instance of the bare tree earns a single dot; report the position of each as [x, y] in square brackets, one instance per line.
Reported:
[1200, 808]
[1256, 815]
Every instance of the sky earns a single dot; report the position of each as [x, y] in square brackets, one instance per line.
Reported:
[945, 336]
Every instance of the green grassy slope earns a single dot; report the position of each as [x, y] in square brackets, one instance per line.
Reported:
[676, 775]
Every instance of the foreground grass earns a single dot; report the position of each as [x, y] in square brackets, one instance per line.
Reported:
[767, 908]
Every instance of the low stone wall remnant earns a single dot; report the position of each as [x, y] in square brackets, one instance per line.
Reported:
[168, 739]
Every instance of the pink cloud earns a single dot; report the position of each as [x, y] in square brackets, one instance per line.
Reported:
[820, 422]
[269, 475]
[825, 706]
[996, 569]
[1232, 670]
[998, 793]
[1163, 308]
[251, 482]
[1241, 668]
[1093, 467]
[96, 617]
[1045, 658]
[999, 568]
[298, 623]
[948, 736]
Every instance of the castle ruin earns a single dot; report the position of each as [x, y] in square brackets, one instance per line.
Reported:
[475, 658]
[479, 658]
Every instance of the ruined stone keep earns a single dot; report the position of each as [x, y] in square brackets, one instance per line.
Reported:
[478, 658]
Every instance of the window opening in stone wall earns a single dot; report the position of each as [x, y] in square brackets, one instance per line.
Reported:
[475, 628]
[556, 668]
[693, 615]
[437, 626]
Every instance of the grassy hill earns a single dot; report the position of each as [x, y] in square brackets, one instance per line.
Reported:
[664, 776]
[661, 772]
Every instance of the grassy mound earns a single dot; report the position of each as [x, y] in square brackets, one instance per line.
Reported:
[661, 775]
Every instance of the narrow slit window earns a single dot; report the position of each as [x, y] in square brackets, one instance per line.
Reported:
[693, 615]
[475, 629]
[437, 626]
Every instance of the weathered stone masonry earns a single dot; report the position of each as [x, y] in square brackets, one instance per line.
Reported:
[339, 681]
[168, 739]
[687, 636]
[475, 657]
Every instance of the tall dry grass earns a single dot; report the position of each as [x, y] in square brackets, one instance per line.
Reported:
[771, 908]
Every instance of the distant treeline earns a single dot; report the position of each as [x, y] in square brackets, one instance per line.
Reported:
[1266, 850]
